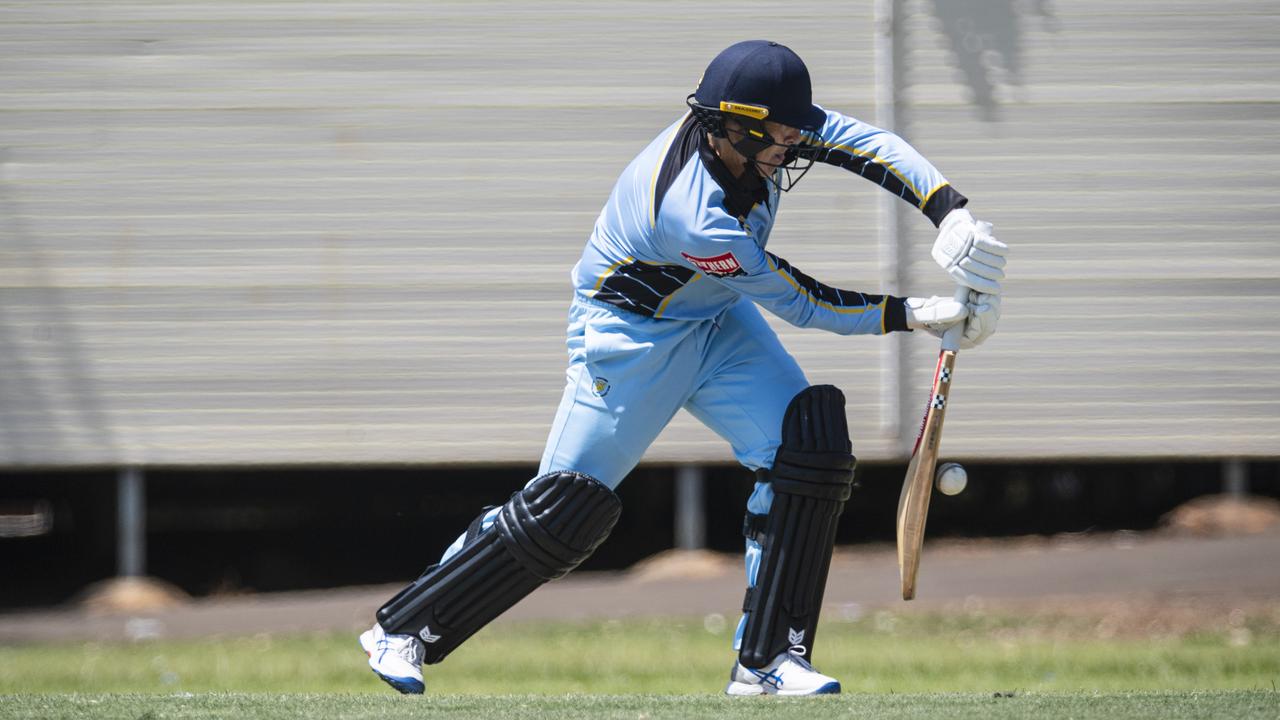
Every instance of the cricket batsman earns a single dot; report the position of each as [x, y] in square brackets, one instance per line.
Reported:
[666, 315]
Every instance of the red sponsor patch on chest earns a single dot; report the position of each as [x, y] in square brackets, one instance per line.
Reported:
[725, 265]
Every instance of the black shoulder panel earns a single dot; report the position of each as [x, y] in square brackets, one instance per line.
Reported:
[683, 147]
[740, 193]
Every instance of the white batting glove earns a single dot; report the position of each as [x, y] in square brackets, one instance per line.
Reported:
[934, 314]
[969, 253]
[984, 313]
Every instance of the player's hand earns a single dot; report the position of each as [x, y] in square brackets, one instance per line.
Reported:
[984, 313]
[966, 249]
[934, 314]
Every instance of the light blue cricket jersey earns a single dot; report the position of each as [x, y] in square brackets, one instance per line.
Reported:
[682, 239]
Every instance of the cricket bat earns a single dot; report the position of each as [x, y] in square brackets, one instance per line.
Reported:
[917, 487]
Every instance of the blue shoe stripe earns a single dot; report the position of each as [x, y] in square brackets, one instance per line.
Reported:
[406, 685]
[772, 678]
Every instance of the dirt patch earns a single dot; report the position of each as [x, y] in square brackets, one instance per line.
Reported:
[1217, 515]
[685, 564]
[131, 595]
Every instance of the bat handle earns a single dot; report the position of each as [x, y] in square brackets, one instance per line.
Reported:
[951, 338]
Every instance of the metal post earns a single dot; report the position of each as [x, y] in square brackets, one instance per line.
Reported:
[691, 527]
[1235, 478]
[131, 523]
[888, 74]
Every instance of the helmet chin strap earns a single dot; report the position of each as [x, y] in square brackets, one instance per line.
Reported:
[788, 165]
[755, 138]
[753, 141]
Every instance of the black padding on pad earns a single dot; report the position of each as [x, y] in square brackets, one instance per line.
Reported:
[812, 477]
[541, 533]
[816, 456]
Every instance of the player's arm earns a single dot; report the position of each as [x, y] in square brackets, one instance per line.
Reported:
[965, 248]
[886, 160]
[721, 250]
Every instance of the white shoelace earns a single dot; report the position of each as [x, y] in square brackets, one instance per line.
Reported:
[406, 647]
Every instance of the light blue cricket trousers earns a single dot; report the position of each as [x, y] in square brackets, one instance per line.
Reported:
[629, 374]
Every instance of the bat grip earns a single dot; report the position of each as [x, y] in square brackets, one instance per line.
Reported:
[951, 338]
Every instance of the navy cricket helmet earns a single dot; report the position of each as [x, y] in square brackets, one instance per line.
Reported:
[761, 80]
[752, 82]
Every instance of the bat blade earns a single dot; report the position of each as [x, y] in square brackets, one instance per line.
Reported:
[917, 487]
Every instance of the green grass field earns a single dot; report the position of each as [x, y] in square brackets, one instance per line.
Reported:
[891, 666]
[1236, 705]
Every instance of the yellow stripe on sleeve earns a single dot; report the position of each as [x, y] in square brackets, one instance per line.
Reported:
[884, 163]
[841, 309]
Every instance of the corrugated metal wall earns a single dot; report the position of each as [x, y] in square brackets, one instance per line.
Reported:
[1134, 162]
[317, 232]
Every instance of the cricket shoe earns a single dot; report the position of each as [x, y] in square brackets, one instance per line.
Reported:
[788, 674]
[397, 659]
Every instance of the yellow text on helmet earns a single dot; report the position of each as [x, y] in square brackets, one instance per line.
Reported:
[751, 111]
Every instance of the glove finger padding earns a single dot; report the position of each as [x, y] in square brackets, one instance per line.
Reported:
[984, 315]
[988, 243]
[977, 267]
[974, 281]
[986, 258]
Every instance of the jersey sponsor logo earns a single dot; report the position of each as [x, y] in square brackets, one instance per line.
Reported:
[725, 265]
